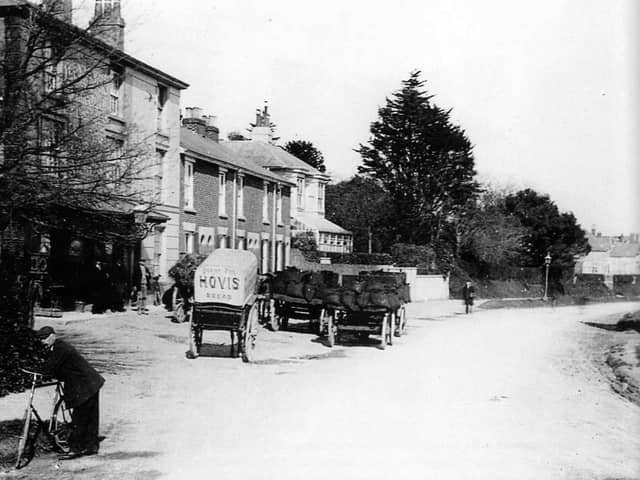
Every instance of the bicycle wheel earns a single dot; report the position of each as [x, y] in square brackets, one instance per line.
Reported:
[60, 426]
[26, 445]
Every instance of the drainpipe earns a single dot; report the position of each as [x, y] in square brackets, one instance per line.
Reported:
[274, 227]
[234, 218]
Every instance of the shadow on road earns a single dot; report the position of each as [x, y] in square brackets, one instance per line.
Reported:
[616, 327]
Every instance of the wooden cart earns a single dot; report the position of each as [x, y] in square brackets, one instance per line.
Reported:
[225, 299]
[371, 321]
[279, 309]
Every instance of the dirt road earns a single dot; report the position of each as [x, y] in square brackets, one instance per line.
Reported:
[493, 395]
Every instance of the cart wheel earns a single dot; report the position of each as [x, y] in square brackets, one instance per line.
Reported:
[249, 335]
[383, 334]
[332, 330]
[403, 320]
[275, 319]
[194, 349]
[389, 318]
[396, 324]
[60, 426]
[322, 322]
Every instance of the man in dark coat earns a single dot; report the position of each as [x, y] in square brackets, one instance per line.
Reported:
[142, 281]
[81, 391]
[468, 294]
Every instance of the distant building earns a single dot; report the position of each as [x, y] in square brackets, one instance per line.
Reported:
[611, 256]
[308, 192]
[228, 201]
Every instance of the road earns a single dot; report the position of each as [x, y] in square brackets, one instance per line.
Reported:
[502, 394]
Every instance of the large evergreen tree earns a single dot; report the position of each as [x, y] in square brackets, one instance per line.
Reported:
[307, 152]
[423, 161]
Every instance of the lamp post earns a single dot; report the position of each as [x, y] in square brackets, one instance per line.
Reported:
[547, 262]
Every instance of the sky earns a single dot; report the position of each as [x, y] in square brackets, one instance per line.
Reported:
[547, 91]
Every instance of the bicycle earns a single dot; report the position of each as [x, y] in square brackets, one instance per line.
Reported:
[58, 428]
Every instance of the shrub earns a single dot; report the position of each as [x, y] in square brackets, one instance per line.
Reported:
[306, 243]
[183, 273]
[19, 346]
[361, 258]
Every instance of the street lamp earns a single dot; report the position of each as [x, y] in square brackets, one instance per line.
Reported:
[547, 262]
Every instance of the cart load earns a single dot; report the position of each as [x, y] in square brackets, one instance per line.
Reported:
[296, 294]
[363, 292]
[299, 284]
[225, 299]
[226, 276]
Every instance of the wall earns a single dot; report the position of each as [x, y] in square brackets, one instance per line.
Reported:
[423, 287]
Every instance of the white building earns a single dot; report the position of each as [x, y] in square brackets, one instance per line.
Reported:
[308, 195]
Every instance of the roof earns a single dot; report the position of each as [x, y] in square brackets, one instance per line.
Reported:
[625, 250]
[271, 156]
[598, 243]
[109, 51]
[214, 152]
[314, 221]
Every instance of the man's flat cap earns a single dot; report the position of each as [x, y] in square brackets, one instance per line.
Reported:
[44, 332]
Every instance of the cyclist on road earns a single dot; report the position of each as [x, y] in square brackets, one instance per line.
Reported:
[81, 391]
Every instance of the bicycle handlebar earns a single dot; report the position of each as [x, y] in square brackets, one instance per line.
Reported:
[29, 372]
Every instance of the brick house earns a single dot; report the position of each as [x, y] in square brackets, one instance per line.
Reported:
[135, 104]
[229, 202]
[309, 185]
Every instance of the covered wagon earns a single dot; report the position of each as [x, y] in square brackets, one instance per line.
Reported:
[225, 299]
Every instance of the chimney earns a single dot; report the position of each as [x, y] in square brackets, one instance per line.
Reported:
[193, 120]
[211, 129]
[262, 130]
[61, 9]
[107, 23]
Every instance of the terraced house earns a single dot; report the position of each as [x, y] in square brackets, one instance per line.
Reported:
[229, 201]
[308, 190]
[87, 92]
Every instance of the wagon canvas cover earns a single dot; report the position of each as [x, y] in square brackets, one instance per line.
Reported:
[226, 276]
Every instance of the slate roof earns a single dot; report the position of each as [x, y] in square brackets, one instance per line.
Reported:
[599, 244]
[214, 152]
[625, 250]
[270, 156]
[317, 222]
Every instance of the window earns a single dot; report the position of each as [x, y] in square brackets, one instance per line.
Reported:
[222, 193]
[114, 100]
[115, 165]
[188, 242]
[265, 202]
[240, 198]
[50, 70]
[279, 204]
[50, 140]
[188, 185]
[300, 193]
[157, 194]
[321, 187]
[163, 95]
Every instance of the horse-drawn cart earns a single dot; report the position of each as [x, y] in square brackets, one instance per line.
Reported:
[225, 299]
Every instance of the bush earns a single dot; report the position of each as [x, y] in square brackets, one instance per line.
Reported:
[19, 346]
[306, 243]
[360, 258]
[183, 273]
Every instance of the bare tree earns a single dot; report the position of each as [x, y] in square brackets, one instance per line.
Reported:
[58, 167]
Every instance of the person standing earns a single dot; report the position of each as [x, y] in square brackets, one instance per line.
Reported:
[142, 282]
[468, 294]
[82, 384]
